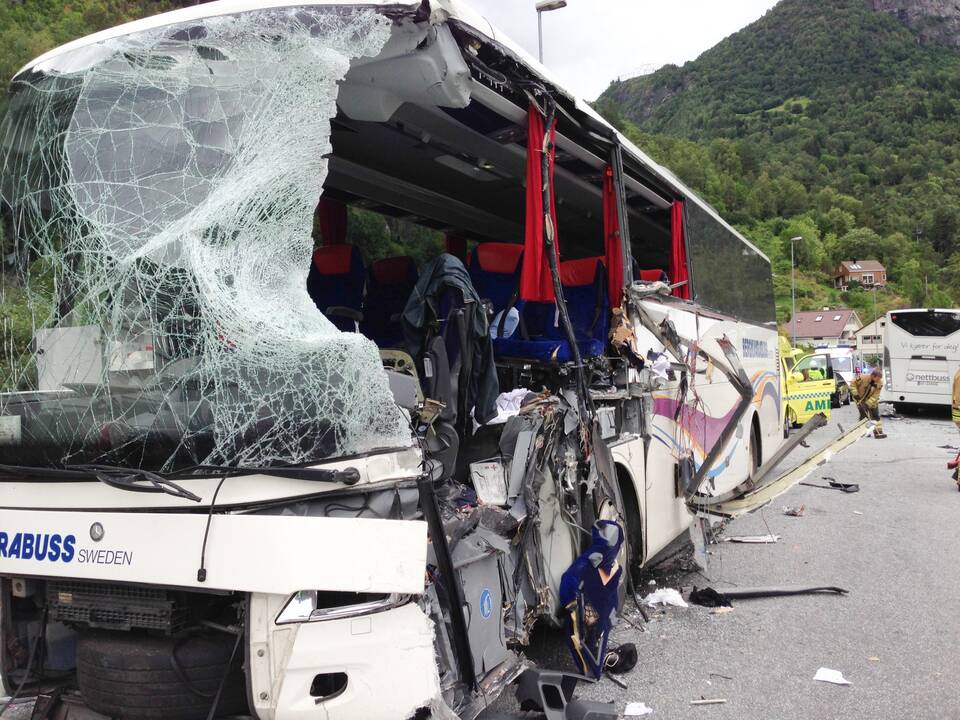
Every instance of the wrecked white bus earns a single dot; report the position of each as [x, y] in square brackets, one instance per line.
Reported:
[241, 474]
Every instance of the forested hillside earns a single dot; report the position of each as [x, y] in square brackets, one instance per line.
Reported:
[826, 120]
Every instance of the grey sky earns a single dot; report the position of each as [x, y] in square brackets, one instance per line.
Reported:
[591, 42]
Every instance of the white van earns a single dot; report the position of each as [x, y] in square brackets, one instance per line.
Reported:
[217, 497]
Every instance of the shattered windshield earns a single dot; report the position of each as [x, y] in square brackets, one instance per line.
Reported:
[160, 188]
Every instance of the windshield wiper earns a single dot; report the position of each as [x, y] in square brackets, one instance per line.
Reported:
[122, 478]
[135, 480]
[347, 476]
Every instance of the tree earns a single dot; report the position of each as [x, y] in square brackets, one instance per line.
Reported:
[912, 283]
[945, 229]
[858, 244]
[809, 252]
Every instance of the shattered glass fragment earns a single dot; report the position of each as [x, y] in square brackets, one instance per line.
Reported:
[162, 192]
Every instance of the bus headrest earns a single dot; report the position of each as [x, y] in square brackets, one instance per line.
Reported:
[333, 259]
[498, 257]
[395, 270]
[653, 275]
[574, 273]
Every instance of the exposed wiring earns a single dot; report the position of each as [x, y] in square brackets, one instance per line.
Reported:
[33, 652]
[202, 572]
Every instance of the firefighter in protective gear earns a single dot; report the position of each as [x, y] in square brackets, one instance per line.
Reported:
[866, 391]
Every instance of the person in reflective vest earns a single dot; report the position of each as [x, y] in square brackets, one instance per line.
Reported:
[866, 390]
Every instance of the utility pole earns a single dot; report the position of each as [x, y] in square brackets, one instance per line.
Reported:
[876, 324]
[793, 291]
[542, 7]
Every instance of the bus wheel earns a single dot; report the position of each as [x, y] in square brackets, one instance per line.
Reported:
[786, 426]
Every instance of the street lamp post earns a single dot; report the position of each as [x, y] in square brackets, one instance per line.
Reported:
[542, 7]
[876, 326]
[793, 290]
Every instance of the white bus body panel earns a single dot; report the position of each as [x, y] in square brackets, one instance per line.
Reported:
[711, 402]
[252, 553]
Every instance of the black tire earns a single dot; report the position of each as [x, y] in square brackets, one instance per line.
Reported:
[134, 677]
[848, 396]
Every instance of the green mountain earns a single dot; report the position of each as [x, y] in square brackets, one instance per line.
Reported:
[837, 120]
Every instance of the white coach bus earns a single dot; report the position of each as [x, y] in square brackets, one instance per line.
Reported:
[246, 473]
[921, 354]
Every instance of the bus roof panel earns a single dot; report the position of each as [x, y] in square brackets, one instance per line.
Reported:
[457, 10]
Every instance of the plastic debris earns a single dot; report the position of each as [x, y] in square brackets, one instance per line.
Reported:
[794, 511]
[637, 709]
[666, 596]
[754, 539]
[708, 597]
[831, 676]
[857, 512]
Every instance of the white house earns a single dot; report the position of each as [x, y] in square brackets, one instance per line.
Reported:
[870, 338]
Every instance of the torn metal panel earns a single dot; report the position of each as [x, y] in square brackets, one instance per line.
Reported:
[388, 655]
[763, 495]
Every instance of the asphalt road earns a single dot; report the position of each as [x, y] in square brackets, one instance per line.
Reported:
[895, 637]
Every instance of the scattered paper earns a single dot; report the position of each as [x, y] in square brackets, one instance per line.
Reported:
[831, 676]
[637, 709]
[666, 596]
[753, 539]
[794, 511]
[721, 611]
[873, 658]
[857, 512]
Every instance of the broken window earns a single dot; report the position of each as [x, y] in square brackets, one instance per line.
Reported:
[162, 187]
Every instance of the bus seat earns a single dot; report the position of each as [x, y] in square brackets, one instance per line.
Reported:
[335, 283]
[495, 272]
[389, 285]
[653, 276]
[541, 338]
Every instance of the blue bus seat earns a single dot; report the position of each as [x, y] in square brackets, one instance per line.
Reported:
[495, 272]
[540, 336]
[390, 283]
[336, 282]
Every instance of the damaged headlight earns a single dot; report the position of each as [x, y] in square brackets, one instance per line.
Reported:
[316, 605]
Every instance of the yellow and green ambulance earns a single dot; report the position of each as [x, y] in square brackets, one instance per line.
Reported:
[806, 384]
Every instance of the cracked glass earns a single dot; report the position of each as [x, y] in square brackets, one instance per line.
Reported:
[161, 187]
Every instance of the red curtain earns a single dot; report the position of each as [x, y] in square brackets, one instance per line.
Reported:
[678, 254]
[535, 281]
[456, 245]
[612, 243]
[332, 216]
